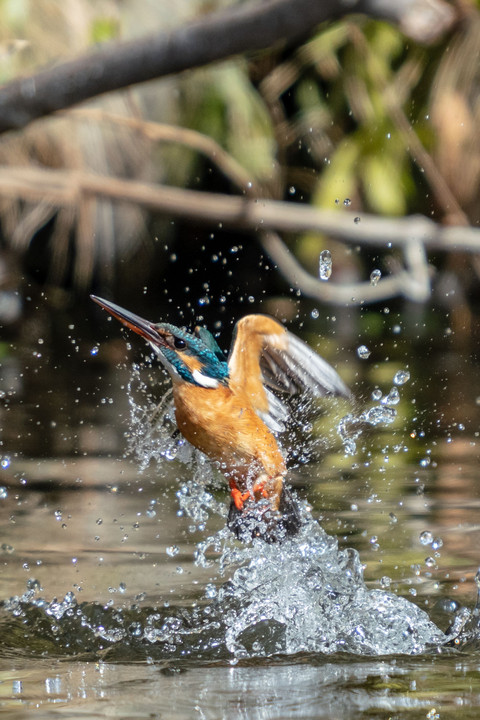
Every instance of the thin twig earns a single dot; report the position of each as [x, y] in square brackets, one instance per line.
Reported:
[163, 132]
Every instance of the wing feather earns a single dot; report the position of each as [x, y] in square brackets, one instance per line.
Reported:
[301, 367]
[265, 357]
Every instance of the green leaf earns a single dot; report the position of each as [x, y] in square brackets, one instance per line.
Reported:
[338, 180]
[382, 185]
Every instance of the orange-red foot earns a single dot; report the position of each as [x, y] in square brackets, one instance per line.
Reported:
[240, 498]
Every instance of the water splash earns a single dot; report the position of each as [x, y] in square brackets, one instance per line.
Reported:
[351, 426]
[305, 595]
[401, 377]
[153, 434]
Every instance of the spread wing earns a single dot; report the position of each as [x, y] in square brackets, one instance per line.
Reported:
[266, 357]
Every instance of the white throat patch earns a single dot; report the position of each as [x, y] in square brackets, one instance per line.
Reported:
[204, 380]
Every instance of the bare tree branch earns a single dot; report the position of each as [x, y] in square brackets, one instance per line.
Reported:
[412, 283]
[61, 188]
[241, 29]
[413, 235]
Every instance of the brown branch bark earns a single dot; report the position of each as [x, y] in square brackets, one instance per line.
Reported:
[62, 188]
[241, 29]
[67, 190]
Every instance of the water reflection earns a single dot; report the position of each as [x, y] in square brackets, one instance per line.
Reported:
[306, 689]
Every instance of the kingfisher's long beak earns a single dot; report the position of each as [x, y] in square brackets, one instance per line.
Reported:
[145, 328]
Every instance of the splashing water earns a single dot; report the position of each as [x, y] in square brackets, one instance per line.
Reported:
[351, 426]
[153, 432]
[401, 377]
[303, 595]
[308, 596]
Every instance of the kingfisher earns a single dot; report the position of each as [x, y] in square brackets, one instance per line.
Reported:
[232, 409]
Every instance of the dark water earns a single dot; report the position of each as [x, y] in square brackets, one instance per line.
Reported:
[123, 595]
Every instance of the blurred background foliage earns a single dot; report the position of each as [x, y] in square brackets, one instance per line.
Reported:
[358, 112]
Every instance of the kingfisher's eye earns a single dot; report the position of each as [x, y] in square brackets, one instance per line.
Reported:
[179, 343]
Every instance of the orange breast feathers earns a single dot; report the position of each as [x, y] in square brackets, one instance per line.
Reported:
[222, 424]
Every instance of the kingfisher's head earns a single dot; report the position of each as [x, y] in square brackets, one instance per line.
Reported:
[194, 358]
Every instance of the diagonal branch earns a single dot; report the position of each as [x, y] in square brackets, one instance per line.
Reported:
[241, 29]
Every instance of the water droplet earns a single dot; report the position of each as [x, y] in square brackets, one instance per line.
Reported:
[94, 350]
[401, 377]
[377, 394]
[325, 265]
[171, 453]
[393, 397]
[379, 415]
[3, 493]
[210, 591]
[122, 587]
[437, 543]
[291, 190]
[5, 463]
[430, 561]
[426, 537]
[315, 314]
[347, 202]
[356, 220]
[363, 352]
[375, 276]
[172, 550]
[477, 578]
